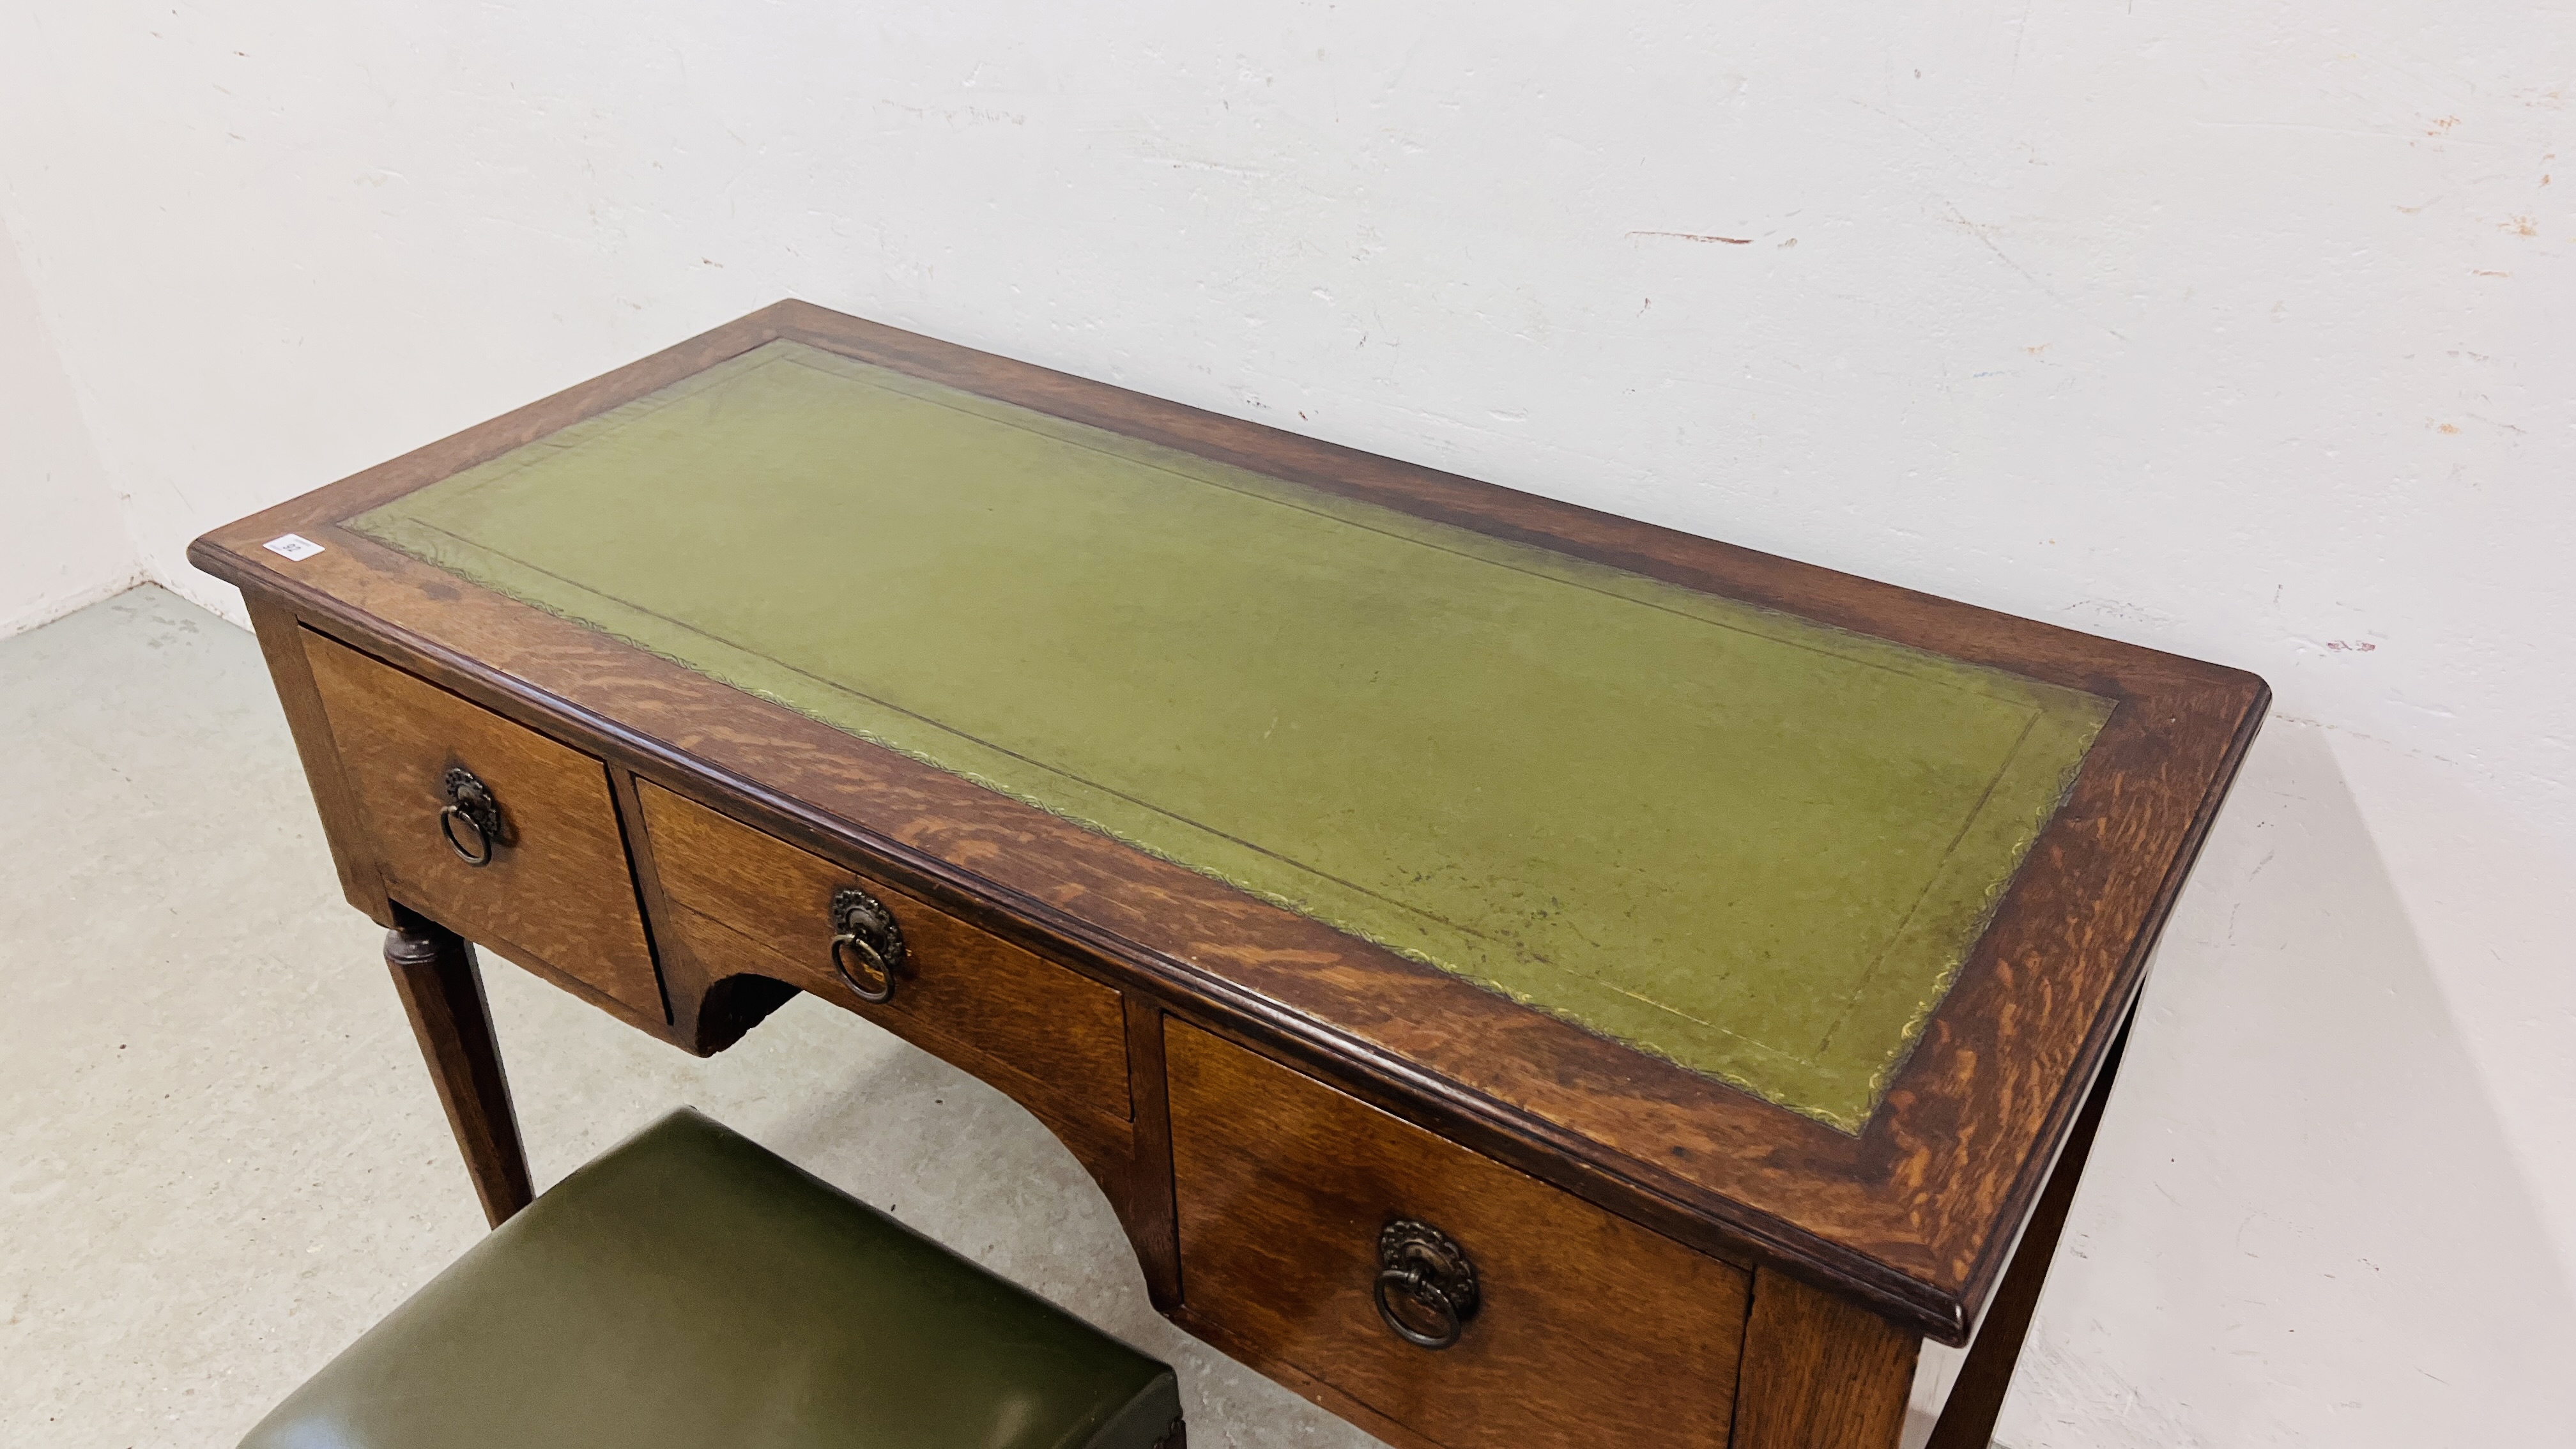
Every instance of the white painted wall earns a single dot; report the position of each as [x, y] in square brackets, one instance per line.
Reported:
[62, 541]
[2246, 332]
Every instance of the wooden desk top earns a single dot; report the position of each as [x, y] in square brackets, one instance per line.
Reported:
[1752, 844]
[1783, 911]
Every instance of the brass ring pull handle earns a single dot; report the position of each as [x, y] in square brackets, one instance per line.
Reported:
[1432, 1276]
[864, 932]
[471, 806]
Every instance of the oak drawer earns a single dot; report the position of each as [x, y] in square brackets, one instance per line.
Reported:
[1589, 1330]
[556, 892]
[744, 902]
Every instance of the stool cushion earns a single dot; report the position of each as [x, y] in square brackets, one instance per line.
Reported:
[690, 1288]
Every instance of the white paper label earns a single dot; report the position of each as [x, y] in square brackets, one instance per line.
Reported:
[295, 546]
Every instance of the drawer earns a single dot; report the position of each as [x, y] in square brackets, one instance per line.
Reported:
[742, 901]
[556, 892]
[1588, 1329]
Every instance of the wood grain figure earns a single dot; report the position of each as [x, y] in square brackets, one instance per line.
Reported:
[1285, 1186]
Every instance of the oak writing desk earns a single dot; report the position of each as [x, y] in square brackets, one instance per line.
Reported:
[1522, 977]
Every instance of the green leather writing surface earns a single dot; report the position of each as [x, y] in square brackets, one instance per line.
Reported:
[1752, 844]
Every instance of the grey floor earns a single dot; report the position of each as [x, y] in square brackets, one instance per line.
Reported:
[222, 1157]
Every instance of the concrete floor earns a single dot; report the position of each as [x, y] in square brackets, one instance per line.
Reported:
[222, 1156]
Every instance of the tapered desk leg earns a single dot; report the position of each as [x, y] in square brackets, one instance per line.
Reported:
[1977, 1398]
[1819, 1372]
[442, 990]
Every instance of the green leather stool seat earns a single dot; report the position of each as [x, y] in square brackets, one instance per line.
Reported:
[690, 1289]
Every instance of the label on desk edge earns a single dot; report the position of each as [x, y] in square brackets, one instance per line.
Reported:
[294, 546]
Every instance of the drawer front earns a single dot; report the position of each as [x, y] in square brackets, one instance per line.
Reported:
[557, 888]
[1588, 1330]
[746, 902]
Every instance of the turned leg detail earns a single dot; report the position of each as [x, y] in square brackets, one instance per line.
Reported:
[442, 991]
